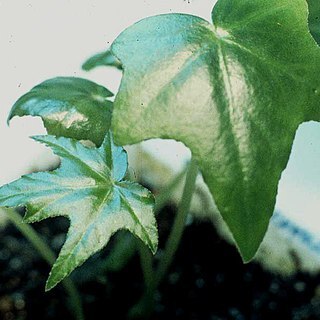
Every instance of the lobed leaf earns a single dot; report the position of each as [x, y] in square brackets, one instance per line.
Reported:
[89, 189]
[69, 107]
[234, 92]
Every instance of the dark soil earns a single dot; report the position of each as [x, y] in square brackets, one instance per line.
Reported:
[206, 281]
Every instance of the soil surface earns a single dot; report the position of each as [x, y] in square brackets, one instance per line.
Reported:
[206, 281]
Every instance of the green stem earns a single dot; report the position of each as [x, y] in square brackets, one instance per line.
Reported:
[165, 195]
[146, 260]
[145, 305]
[143, 309]
[178, 225]
[31, 235]
[48, 255]
[160, 201]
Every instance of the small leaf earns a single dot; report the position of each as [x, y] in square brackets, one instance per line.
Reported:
[314, 19]
[101, 59]
[234, 92]
[89, 190]
[69, 107]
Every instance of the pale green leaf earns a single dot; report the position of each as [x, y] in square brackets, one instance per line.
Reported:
[234, 92]
[69, 107]
[89, 189]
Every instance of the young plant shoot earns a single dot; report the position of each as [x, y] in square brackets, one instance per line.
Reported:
[234, 91]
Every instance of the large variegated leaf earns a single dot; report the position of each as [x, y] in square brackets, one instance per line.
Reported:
[234, 92]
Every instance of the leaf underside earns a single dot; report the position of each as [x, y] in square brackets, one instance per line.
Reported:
[88, 188]
[234, 92]
[69, 107]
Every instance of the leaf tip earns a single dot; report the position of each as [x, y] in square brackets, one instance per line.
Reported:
[247, 252]
[41, 138]
[27, 219]
[54, 278]
[86, 66]
[247, 259]
[11, 115]
[49, 285]
[9, 119]
[154, 248]
[153, 243]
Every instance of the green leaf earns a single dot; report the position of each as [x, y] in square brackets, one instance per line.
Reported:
[69, 107]
[233, 92]
[101, 59]
[89, 190]
[314, 19]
